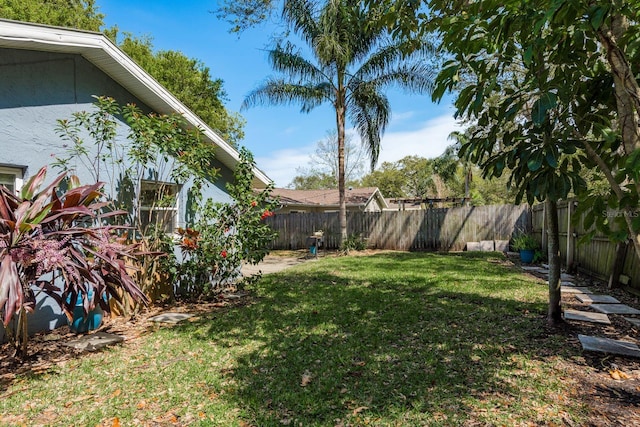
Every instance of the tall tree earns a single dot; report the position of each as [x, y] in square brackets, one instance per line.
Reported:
[322, 171]
[188, 79]
[81, 14]
[588, 51]
[523, 110]
[352, 63]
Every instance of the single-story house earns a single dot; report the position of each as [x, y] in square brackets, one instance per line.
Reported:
[48, 73]
[367, 199]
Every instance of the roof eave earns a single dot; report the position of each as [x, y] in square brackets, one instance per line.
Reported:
[104, 54]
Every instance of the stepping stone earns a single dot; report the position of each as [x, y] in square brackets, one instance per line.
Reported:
[567, 277]
[606, 345]
[487, 245]
[574, 289]
[93, 342]
[565, 283]
[532, 268]
[170, 317]
[615, 309]
[586, 316]
[636, 322]
[502, 245]
[599, 299]
[473, 246]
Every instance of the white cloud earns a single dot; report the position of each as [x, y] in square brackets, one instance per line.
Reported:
[281, 165]
[428, 140]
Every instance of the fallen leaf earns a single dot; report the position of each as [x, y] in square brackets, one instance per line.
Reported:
[360, 409]
[617, 374]
[116, 422]
[306, 379]
[142, 404]
[116, 393]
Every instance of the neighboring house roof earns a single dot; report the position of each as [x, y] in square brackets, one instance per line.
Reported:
[104, 54]
[355, 197]
[401, 205]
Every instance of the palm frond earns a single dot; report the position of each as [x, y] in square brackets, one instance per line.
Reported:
[284, 59]
[281, 92]
[369, 111]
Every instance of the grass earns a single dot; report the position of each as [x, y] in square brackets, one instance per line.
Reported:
[393, 339]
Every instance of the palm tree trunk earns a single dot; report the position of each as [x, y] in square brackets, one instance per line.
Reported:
[340, 122]
[554, 315]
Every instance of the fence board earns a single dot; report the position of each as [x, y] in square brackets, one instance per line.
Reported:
[595, 257]
[432, 229]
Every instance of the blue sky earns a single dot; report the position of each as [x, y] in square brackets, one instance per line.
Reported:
[281, 138]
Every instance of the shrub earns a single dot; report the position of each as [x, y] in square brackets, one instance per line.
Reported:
[55, 241]
[354, 242]
[225, 235]
[524, 241]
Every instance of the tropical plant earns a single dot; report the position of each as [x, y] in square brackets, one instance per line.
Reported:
[158, 143]
[524, 242]
[355, 242]
[55, 241]
[225, 235]
[352, 63]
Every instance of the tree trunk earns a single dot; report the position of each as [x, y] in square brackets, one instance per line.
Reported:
[554, 315]
[340, 121]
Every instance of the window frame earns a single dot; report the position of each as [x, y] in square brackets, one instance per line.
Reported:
[147, 210]
[18, 176]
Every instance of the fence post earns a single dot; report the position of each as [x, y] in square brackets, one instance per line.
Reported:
[571, 244]
[618, 265]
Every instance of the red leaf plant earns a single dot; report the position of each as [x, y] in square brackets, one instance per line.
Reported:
[58, 241]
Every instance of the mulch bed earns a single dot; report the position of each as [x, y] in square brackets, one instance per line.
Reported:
[611, 384]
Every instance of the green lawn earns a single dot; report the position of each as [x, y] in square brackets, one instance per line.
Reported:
[393, 339]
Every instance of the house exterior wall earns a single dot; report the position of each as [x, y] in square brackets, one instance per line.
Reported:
[36, 90]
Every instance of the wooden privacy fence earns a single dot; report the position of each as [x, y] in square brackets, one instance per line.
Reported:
[433, 229]
[595, 257]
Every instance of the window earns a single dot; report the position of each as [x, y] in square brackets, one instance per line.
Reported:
[158, 206]
[11, 178]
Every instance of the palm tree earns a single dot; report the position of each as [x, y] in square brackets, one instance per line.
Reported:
[353, 61]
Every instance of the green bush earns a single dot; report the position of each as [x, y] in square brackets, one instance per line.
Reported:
[354, 242]
[523, 242]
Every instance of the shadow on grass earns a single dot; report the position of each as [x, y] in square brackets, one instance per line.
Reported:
[392, 339]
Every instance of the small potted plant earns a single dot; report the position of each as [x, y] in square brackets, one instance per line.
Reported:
[526, 244]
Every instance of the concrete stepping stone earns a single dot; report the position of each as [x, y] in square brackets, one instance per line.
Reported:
[93, 342]
[575, 289]
[636, 322]
[615, 309]
[532, 268]
[607, 345]
[170, 317]
[567, 277]
[587, 316]
[598, 299]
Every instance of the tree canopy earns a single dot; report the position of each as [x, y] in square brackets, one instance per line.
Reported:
[80, 14]
[188, 79]
[322, 171]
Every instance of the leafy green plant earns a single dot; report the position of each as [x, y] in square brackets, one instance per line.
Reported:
[143, 175]
[524, 241]
[56, 242]
[225, 235]
[354, 242]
